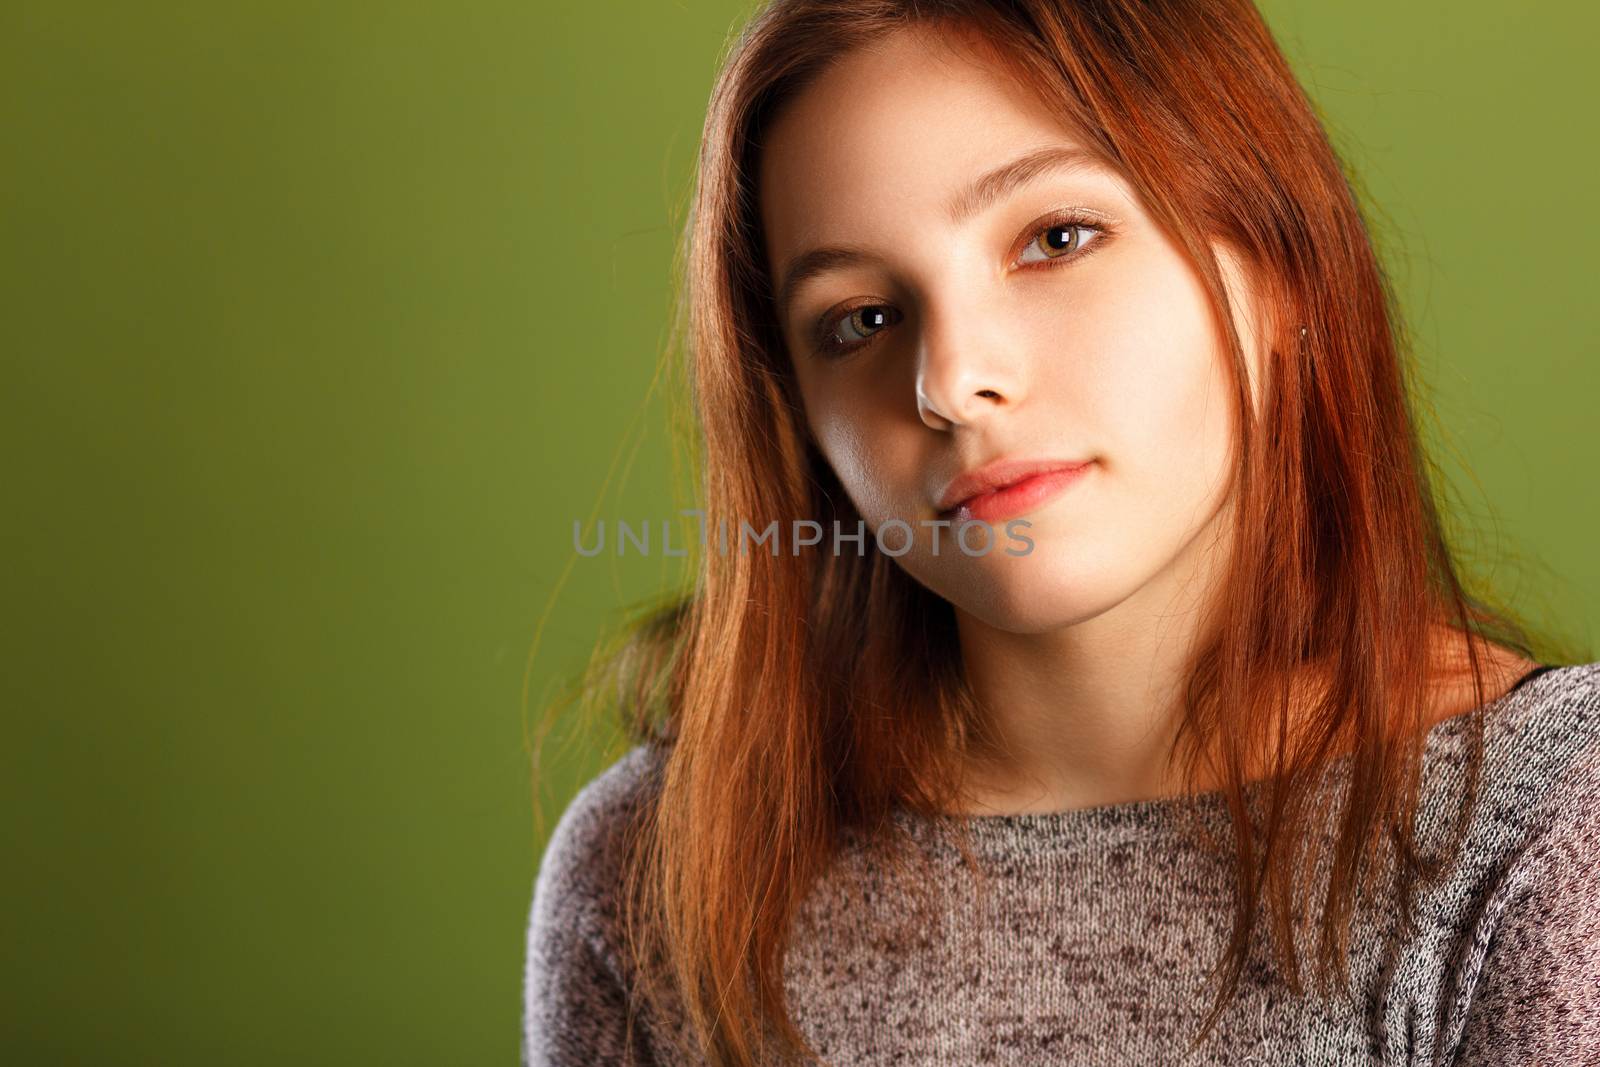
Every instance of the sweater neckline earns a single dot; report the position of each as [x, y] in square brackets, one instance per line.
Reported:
[1157, 817]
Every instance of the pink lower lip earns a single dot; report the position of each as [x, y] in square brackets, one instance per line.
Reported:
[1019, 498]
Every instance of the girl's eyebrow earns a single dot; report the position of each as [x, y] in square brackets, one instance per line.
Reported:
[991, 186]
[802, 268]
[968, 201]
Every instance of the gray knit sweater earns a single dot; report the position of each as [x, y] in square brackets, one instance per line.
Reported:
[1092, 938]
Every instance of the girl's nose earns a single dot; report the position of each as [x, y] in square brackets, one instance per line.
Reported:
[966, 370]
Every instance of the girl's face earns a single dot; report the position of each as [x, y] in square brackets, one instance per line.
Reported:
[954, 307]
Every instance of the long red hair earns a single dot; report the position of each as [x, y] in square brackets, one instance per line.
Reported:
[794, 696]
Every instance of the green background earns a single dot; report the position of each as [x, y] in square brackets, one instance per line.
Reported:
[322, 322]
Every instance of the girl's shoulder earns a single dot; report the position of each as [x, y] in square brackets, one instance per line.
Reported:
[583, 859]
[1540, 737]
[1537, 792]
[576, 977]
[1524, 979]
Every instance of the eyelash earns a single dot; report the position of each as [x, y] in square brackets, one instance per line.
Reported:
[826, 346]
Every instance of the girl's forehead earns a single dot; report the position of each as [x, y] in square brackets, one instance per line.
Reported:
[906, 89]
[884, 130]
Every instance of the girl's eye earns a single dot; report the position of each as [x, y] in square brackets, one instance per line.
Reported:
[1058, 240]
[858, 326]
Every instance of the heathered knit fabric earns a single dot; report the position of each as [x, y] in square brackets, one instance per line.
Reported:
[1091, 940]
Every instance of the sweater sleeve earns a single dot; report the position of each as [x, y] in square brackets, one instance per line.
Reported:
[575, 996]
[1538, 993]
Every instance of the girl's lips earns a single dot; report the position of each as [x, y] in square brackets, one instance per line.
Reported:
[1018, 498]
